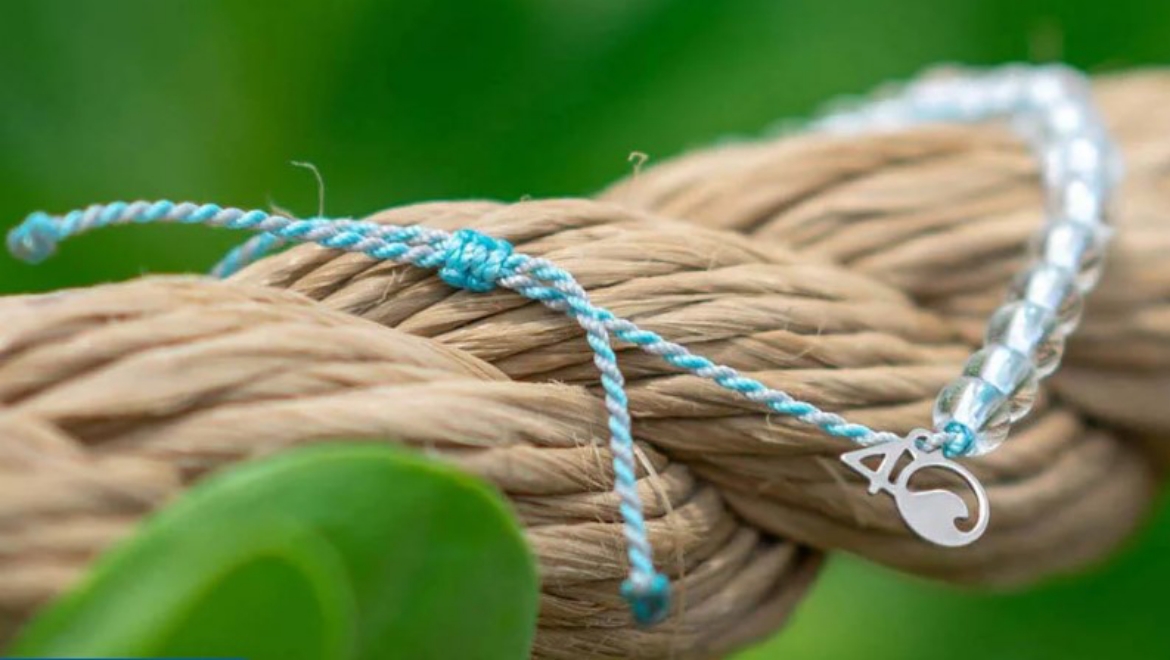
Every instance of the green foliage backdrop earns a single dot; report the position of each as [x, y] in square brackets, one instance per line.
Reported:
[399, 101]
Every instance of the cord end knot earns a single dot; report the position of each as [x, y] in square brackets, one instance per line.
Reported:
[35, 239]
[649, 600]
[961, 440]
[474, 261]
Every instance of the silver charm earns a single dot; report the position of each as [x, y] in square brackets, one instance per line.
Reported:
[932, 514]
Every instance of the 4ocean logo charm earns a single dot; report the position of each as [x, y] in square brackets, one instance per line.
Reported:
[932, 514]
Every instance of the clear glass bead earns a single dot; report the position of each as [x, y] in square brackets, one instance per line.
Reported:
[1055, 83]
[1080, 199]
[1053, 287]
[1045, 90]
[977, 405]
[970, 102]
[1076, 247]
[1029, 329]
[1067, 118]
[1007, 88]
[1078, 156]
[1009, 371]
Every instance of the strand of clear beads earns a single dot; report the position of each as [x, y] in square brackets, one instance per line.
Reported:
[1052, 109]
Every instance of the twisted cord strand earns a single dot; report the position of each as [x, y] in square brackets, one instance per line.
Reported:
[252, 250]
[471, 260]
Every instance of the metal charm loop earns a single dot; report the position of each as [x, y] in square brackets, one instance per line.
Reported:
[931, 514]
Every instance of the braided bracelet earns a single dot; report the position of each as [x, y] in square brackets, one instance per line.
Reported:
[1049, 106]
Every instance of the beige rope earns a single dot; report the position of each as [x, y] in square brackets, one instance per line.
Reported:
[117, 397]
[852, 273]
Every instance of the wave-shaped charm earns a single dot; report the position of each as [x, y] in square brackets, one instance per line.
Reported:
[932, 514]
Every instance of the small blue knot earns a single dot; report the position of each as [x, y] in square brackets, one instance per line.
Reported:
[962, 441]
[650, 602]
[474, 261]
[35, 239]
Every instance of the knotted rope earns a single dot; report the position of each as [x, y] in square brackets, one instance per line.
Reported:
[820, 316]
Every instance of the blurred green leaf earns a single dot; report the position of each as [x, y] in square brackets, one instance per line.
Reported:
[338, 551]
[225, 588]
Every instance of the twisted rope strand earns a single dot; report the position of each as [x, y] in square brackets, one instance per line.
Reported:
[470, 260]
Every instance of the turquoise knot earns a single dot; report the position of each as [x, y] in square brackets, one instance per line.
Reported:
[962, 440]
[474, 261]
[35, 239]
[649, 601]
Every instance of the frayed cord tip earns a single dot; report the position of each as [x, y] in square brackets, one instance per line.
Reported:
[35, 239]
[649, 601]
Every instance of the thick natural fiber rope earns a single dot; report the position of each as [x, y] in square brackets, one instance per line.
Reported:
[118, 397]
[873, 263]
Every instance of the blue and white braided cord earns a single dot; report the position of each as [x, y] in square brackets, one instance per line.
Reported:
[471, 260]
[253, 249]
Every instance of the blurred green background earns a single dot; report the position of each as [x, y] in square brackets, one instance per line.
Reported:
[399, 101]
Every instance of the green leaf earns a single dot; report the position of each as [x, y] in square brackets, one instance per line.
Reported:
[355, 552]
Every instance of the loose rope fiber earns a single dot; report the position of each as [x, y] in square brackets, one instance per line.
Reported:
[870, 261]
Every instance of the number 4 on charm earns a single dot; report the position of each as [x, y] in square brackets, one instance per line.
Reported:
[932, 514]
[879, 479]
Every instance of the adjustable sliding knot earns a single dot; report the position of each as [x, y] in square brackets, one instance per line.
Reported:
[474, 261]
[35, 239]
